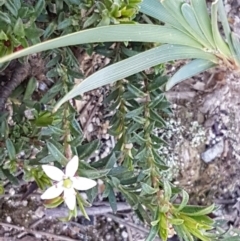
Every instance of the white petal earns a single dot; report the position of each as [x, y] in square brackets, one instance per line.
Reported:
[83, 183]
[72, 167]
[70, 198]
[53, 191]
[53, 172]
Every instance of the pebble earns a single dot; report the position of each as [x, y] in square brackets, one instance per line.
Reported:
[124, 234]
[210, 154]
[11, 191]
[39, 212]
[90, 127]
[8, 219]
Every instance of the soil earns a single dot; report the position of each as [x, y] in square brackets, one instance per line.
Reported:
[206, 158]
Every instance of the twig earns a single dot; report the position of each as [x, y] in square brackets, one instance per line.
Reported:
[34, 232]
[94, 210]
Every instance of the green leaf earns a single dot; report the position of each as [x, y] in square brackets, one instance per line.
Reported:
[201, 13]
[167, 190]
[192, 68]
[146, 189]
[18, 29]
[219, 42]
[190, 17]
[40, 5]
[155, 9]
[13, 9]
[64, 24]
[197, 210]
[57, 154]
[115, 33]
[33, 32]
[53, 203]
[135, 91]
[135, 112]
[134, 65]
[236, 46]
[47, 159]
[10, 177]
[224, 20]
[86, 150]
[32, 84]
[185, 198]
[5, 18]
[11, 150]
[112, 200]
[94, 174]
[81, 206]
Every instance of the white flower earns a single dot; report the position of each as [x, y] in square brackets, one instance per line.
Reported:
[66, 183]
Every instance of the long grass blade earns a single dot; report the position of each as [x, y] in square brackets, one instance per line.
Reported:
[225, 24]
[219, 42]
[194, 67]
[174, 8]
[134, 65]
[201, 12]
[114, 33]
[155, 9]
[236, 45]
[190, 17]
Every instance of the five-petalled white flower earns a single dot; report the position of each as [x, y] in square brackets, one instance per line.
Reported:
[66, 183]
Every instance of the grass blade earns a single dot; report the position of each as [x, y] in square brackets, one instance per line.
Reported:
[174, 8]
[219, 42]
[114, 33]
[194, 67]
[226, 28]
[134, 65]
[201, 13]
[236, 46]
[190, 17]
[155, 9]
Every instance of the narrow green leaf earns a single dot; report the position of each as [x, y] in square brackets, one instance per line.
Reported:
[190, 17]
[112, 200]
[167, 190]
[40, 5]
[11, 150]
[192, 68]
[155, 9]
[219, 42]
[224, 20]
[134, 90]
[18, 29]
[13, 9]
[185, 198]
[32, 84]
[9, 176]
[94, 174]
[134, 65]
[135, 112]
[236, 46]
[201, 12]
[86, 150]
[5, 18]
[115, 33]
[57, 154]
[197, 210]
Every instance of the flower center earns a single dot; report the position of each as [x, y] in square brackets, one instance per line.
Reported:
[67, 183]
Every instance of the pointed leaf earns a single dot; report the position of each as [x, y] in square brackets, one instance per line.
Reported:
[236, 46]
[190, 17]
[192, 68]
[11, 150]
[134, 65]
[57, 154]
[201, 12]
[123, 32]
[219, 42]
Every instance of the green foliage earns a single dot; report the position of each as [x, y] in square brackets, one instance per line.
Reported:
[38, 136]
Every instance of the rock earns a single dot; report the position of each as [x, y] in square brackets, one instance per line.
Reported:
[213, 152]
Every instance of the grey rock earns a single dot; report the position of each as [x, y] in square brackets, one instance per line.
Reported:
[210, 154]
